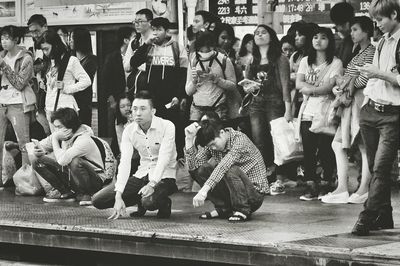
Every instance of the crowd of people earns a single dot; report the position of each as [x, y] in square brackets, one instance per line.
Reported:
[209, 105]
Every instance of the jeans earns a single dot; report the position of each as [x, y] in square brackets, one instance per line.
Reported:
[105, 198]
[317, 146]
[79, 176]
[262, 110]
[235, 192]
[20, 122]
[380, 133]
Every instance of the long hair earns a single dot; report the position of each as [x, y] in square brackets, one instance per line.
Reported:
[82, 41]
[119, 117]
[246, 39]
[330, 50]
[219, 29]
[307, 30]
[274, 51]
[58, 48]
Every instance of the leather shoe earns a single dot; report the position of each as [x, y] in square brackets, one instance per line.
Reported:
[383, 221]
[165, 212]
[141, 211]
[361, 228]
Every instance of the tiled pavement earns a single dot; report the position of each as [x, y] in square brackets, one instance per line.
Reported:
[284, 231]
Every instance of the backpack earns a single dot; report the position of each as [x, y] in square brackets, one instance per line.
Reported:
[109, 161]
[397, 55]
[196, 60]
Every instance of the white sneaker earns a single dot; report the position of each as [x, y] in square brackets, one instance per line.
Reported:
[358, 199]
[336, 198]
[277, 188]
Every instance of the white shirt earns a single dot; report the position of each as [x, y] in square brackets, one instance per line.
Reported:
[312, 76]
[156, 149]
[75, 79]
[10, 95]
[380, 90]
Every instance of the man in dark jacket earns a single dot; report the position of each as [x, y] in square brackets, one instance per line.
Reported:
[113, 74]
[166, 65]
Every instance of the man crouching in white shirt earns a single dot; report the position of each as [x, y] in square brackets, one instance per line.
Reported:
[154, 181]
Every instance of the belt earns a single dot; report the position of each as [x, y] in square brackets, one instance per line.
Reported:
[383, 108]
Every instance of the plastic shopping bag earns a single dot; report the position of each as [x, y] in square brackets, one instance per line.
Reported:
[286, 148]
[26, 182]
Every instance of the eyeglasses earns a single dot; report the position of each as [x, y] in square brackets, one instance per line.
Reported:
[139, 21]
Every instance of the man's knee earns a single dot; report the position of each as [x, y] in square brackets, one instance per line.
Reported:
[233, 172]
[76, 163]
[205, 170]
[149, 203]
[99, 200]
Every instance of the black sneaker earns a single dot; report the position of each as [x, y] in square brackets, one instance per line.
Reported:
[141, 211]
[165, 212]
[312, 193]
[57, 197]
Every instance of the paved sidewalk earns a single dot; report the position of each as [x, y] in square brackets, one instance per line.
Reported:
[284, 228]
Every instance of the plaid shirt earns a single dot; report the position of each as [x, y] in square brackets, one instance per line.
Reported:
[240, 151]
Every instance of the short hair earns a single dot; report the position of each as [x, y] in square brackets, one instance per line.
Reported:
[82, 41]
[37, 19]
[205, 38]
[365, 23]
[68, 117]
[147, 12]
[330, 50]
[161, 22]
[208, 17]
[58, 47]
[246, 39]
[62, 29]
[384, 8]
[288, 39]
[13, 32]
[145, 95]
[124, 33]
[210, 127]
[341, 13]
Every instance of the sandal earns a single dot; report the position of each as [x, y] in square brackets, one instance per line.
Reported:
[208, 216]
[239, 217]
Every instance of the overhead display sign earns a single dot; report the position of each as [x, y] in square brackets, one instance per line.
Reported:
[316, 11]
[235, 12]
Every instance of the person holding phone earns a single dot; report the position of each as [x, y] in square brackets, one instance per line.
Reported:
[210, 75]
[17, 99]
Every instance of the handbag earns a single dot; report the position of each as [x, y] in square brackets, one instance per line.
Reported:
[320, 123]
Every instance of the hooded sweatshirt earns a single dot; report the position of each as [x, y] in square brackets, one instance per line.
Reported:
[165, 78]
[20, 76]
[79, 145]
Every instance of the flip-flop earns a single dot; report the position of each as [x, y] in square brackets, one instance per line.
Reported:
[221, 215]
[238, 217]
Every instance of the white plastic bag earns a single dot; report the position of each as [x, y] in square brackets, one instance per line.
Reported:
[26, 182]
[286, 148]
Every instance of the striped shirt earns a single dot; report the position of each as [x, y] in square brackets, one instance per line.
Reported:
[365, 56]
[240, 152]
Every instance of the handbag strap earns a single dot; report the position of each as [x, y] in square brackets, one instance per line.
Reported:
[322, 75]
